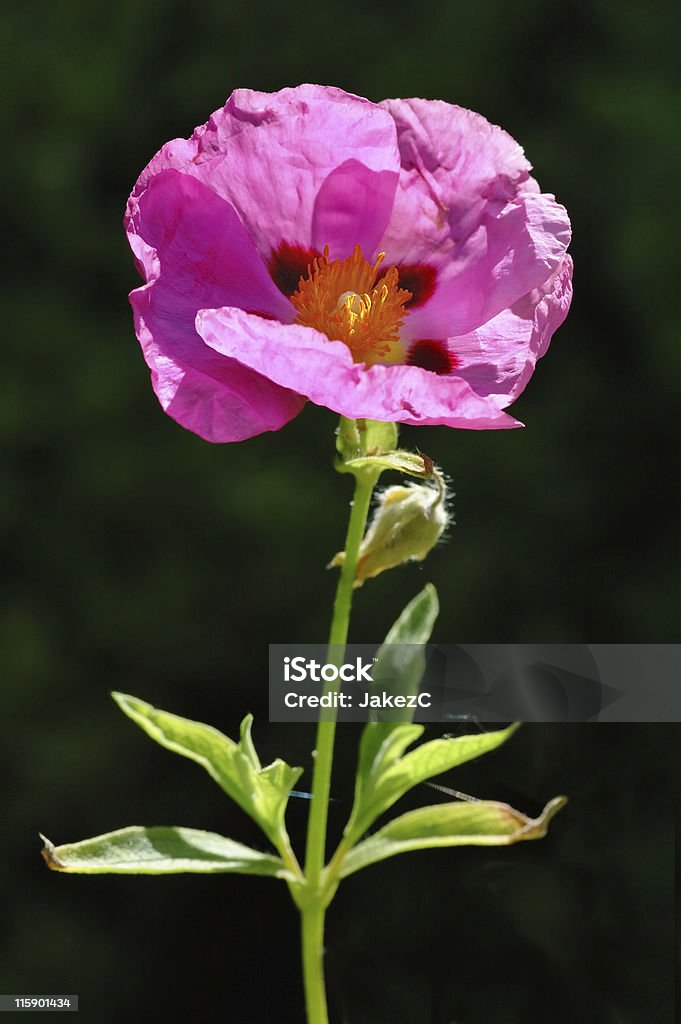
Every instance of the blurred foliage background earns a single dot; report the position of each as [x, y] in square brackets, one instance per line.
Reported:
[138, 557]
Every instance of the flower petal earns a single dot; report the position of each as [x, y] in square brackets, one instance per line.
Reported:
[204, 251]
[310, 166]
[467, 206]
[269, 154]
[194, 251]
[304, 360]
[459, 164]
[219, 399]
[352, 207]
[505, 259]
[499, 358]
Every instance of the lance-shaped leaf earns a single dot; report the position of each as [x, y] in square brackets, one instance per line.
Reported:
[401, 655]
[480, 823]
[261, 792]
[381, 746]
[382, 743]
[391, 775]
[401, 659]
[415, 623]
[159, 851]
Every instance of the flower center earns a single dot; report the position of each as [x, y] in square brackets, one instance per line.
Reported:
[344, 300]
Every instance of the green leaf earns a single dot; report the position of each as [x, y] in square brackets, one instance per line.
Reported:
[261, 792]
[383, 743]
[246, 743]
[390, 775]
[413, 627]
[159, 851]
[381, 746]
[401, 660]
[415, 624]
[481, 823]
[411, 463]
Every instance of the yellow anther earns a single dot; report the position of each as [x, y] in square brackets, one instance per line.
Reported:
[342, 299]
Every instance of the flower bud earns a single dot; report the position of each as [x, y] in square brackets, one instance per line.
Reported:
[408, 521]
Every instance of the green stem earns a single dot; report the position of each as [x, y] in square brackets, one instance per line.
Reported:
[312, 919]
[364, 487]
[314, 906]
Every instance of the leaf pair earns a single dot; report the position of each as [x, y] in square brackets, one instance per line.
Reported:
[262, 792]
[386, 770]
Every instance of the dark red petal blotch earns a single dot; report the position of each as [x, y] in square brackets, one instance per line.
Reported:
[433, 356]
[419, 279]
[288, 263]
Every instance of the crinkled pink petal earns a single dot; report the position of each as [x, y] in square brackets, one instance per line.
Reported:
[269, 154]
[458, 164]
[352, 207]
[467, 206]
[194, 251]
[220, 400]
[499, 358]
[303, 359]
[507, 257]
[205, 254]
[176, 155]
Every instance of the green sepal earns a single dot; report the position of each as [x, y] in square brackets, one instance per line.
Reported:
[479, 823]
[262, 792]
[364, 437]
[411, 463]
[385, 773]
[159, 851]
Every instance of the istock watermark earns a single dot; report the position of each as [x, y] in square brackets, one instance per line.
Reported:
[299, 670]
[367, 681]
[493, 683]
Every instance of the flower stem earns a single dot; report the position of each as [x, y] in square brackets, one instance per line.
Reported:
[364, 487]
[314, 907]
[312, 919]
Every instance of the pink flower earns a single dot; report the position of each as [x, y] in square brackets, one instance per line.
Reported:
[394, 261]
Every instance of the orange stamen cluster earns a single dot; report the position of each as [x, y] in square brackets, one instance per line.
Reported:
[342, 299]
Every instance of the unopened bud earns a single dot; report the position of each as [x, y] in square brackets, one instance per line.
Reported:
[408, 522]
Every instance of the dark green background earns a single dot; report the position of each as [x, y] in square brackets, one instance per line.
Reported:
[138, 557]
